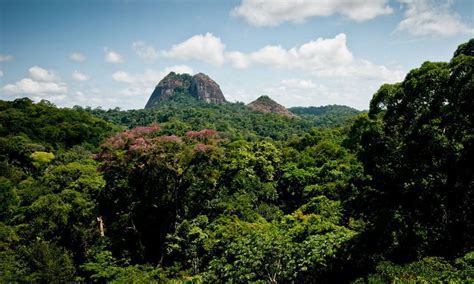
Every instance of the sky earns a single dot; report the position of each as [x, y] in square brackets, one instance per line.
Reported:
[301, 53]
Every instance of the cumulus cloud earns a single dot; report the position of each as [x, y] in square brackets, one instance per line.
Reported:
[288, 92]
[6, 57]
[323, 57]
[298, 84]
[432, 18]
[316, 92]
[207, 48]
[319, 54]
[112, 56]
[149, 77]
[304, 91]
[29, 86]
[142, 84]
[271, 13]
[40, 84]
[238, 59]
[145, 51]
[78, 76]
[39, 74]
[78, 57]
[180, 69]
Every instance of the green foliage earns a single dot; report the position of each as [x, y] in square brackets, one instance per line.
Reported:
[44, 123]
[417, 146]
[179, 114]
[49, 263]
[8, 197]
[466, 49]
[324, 116]
[248, 252]
[426, 270]
[261, 199]
[48, 194]
[38, 261]
[41, 158]
[103, 267]
[159, 174]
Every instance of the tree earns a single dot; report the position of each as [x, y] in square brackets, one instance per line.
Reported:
[148, 179]
[416, 145]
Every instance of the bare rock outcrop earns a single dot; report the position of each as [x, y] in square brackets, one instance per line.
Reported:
[200, 86]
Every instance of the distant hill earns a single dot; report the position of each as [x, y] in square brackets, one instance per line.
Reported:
[267, 105]
[199, 86]
[330, 115]
[322, 110]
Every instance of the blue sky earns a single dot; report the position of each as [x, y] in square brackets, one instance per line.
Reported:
[301, 53]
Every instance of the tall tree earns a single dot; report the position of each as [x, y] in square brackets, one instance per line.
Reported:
[417, 144]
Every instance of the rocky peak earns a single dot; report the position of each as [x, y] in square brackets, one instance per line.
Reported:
[206, 89]
[267, 105]
[200, 86]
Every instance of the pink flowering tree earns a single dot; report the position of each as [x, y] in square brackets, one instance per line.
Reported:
[149, 178]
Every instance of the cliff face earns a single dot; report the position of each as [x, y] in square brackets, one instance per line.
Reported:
[267, 105]
[199, 86]
[206, 89]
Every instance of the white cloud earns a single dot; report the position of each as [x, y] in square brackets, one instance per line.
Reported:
[84, 98]
[207, 48]
[41, 84]
[29, 86]
[112, 56]
[145, 51]
[316, 92]
[238, 59]
[1, 73]
[304, 91]
[432, 18]
[78, 76]
[6, 57]
[322, 57]
[293, 92]
[298, 84]
[180, 69]
[78, 57]
[149, 76]
[318, 54]
[142, 84]
[52, 98]
[39, 74]
[271, 13]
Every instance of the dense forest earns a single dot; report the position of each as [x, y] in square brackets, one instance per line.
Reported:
[199, 193]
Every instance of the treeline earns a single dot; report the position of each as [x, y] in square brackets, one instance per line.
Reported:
[323, 116]
[181, 113]
[198, 193]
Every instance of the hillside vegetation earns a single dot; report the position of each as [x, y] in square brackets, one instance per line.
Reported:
[182, 113]
[193, 192]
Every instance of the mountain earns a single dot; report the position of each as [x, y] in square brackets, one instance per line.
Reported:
[267, 105]
[199, 86]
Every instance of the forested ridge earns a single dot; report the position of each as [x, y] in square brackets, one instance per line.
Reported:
[199, 193]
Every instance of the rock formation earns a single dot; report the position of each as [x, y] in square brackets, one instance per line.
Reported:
[199, 86]
[206, 89]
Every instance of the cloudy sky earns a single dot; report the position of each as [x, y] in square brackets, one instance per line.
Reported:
[300, 52]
